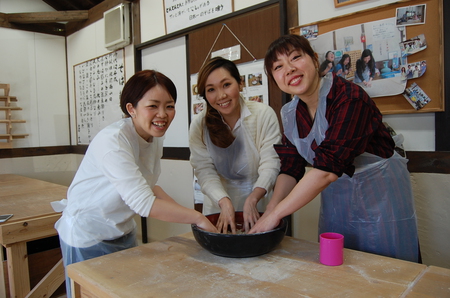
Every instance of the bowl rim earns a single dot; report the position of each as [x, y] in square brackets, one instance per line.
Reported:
[281, 226]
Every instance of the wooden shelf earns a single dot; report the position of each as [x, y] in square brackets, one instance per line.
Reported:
[12, 121]
[14, 136]
[10, 108]
[7, 99]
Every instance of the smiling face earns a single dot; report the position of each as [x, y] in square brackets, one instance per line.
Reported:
[296, 73]
[330, 56]
[153, 113]
[222, 93]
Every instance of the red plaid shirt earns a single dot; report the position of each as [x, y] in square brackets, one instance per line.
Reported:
[355, 126]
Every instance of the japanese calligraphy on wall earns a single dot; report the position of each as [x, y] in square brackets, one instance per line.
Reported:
[181, 14]
[98, 85]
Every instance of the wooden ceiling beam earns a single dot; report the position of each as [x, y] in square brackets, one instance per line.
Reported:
[48, 17]
[47, 28]
[53, 22]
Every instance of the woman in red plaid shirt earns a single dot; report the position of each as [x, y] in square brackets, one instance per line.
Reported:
[334, 126]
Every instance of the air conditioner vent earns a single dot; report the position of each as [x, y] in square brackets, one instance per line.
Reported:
[117, 27]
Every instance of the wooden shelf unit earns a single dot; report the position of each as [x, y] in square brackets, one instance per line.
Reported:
[7, 108]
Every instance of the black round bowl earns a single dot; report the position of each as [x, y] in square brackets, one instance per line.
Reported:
[239, 245]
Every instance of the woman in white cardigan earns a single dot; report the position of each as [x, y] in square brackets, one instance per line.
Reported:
[231, 144]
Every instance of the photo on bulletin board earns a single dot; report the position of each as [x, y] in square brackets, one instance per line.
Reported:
[98, 86]
[366, 54]
[411, 15]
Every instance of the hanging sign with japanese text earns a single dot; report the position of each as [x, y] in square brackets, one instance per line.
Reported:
[182, 14]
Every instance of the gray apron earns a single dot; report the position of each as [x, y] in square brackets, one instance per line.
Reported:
[237, 166]
[374, 209]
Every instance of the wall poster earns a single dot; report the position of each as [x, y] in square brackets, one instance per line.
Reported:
[182, 14]
[98, 86]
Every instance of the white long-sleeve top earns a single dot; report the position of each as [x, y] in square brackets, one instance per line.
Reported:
[113, 183]
[262, 123]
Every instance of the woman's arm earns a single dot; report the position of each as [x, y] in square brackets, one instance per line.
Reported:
[304, 191]
[251, 213]
[268, 134]
[283, 187]
[264, 125]
[166, 209]
[208, 178]
[161, 194]
[203, 165]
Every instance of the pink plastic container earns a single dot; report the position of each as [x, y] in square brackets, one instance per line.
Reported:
[331, 249]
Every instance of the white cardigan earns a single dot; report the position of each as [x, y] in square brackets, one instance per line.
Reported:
[262, 123]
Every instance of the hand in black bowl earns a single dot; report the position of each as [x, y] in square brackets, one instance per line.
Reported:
[239, 245]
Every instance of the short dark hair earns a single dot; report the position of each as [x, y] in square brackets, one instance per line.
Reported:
[284, 45]
[142, 81]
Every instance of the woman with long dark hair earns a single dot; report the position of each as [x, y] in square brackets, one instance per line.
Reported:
[365, 69]
[344, 66]
[231, 144]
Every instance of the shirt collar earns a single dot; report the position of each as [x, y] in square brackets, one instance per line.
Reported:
[245, 112]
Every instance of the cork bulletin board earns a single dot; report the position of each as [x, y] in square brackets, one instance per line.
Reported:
[432, 82]
[98, 85]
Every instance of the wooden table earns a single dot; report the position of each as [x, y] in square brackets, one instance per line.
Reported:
[179, 267]
[29, 200]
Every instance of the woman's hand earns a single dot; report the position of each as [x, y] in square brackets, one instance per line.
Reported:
[329, 66]
[226, 217]
[250, 212]
[266, 223]
[367, 84]
[204, 224]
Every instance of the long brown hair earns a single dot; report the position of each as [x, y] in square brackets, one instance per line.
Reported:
[219, 132]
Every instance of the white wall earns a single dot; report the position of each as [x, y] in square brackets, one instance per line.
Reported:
[34, 65]
[170, 59]
[35, 68]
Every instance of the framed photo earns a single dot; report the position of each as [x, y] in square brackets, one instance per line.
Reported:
[339, 3]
